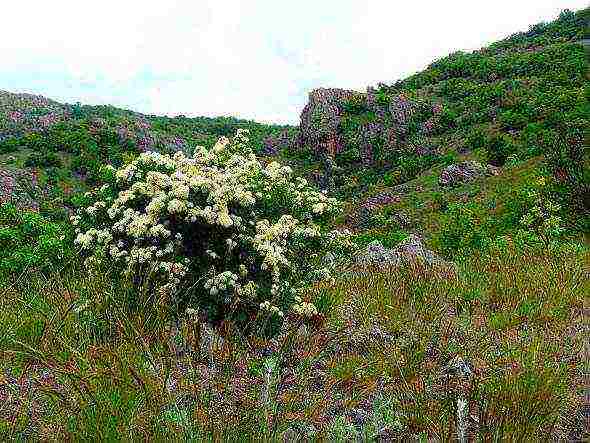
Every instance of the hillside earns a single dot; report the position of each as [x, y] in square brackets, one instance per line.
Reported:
[520, 105]
[64, 145]
[415, 272]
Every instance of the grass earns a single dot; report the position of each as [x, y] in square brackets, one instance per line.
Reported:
[75, 364]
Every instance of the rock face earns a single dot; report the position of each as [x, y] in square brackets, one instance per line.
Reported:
[273, 144]
[320, 118]
[22, 113]
[410, 250]
[401, 110]
[388, 128]
[465, 172]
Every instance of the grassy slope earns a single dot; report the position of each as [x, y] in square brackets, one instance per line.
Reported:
[382, 354]
[505, 91]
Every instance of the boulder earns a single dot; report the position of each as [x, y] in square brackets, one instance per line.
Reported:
[381, 199]
[409, 250]
[377, 254]
[465, 172]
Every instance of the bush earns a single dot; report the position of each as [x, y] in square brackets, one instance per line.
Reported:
[476, 138]
[220, 231]
[30, 242]
[43, 159]
[567, 157]
[537, 214]
[511, 119]
[388, 238]
[9, 145]
[499, 147]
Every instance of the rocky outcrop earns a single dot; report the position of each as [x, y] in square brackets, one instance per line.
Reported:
[385, 123]
[271, 145]
[320, 119]
[409, 250]
[401, 110]
[20, 187]
[465, 172]
[22, 113]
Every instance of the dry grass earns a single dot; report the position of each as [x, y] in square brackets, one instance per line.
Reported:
[376, 365]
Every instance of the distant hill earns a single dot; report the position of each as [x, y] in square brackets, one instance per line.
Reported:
[51, 149]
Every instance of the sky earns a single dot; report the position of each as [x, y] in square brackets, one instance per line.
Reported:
[253, 59]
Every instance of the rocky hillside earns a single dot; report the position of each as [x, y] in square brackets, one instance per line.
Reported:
[403, 152]
[48, 150]
[510, 101]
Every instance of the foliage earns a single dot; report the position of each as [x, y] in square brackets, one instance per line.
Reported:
[382, 353]
[43, 159]
[222, 228]
[499, 147]
[463, 228]
[29, 242]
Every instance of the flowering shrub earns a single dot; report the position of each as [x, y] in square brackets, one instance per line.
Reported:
[542, 218]
[220, 229]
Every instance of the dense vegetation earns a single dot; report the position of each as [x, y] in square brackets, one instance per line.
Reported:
[190, 296]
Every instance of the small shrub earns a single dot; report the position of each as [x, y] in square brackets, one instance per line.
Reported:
[29, 241]
[499, 147]
[9, 145]
[43, 159]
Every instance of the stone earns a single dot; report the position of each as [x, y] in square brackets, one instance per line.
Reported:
[381, 199]
[320, 119]
[409, 250]
[464, 172]
[377, 254]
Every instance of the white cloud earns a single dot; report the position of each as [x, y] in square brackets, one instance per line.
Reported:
[251, 59]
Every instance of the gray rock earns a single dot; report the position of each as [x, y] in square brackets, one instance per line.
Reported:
[465, 172]
[459, 368]
[377, 254]
[412, 247]
[409, 250]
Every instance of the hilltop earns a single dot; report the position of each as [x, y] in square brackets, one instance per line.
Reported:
[64, 145]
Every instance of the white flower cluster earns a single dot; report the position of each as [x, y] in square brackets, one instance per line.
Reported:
[220, 208]
[222, 282]
[305, 309]
[267, 306]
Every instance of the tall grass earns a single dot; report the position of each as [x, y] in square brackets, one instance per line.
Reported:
[76, 362]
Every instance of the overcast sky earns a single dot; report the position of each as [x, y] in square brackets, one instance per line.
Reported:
[255, 59]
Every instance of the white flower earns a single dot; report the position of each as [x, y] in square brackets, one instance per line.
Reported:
[176, 206]
[224, 220]
[161, 196]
